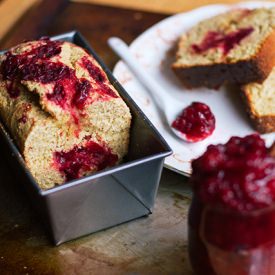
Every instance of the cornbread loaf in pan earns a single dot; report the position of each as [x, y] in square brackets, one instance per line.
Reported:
[260, 102]
[65, 116]
[234, 47]
[96, 201]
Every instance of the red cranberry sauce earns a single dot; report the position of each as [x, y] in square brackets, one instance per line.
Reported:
[100, 78]
[239, 175]
[46, 72]
[93, 70]
[234, 181]
[225, 42]
[82, 90]
[58, 95]
[23, 119]
[230, 231]
[69, 92]
[196, 122]
[12, 90]
[82, 159]
[25, 66]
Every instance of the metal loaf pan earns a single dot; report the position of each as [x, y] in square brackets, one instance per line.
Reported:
[106, 198]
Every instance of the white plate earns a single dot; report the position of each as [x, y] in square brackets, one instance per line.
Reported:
[154, 51]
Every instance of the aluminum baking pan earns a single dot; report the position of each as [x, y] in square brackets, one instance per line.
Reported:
[106, 198]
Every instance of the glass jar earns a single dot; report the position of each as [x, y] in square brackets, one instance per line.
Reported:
[228, 242]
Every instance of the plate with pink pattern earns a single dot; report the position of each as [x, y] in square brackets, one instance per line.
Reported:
[155, 50]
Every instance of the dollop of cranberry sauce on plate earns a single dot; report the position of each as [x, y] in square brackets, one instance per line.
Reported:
[196, 122]
[239, 175]
[36, 64]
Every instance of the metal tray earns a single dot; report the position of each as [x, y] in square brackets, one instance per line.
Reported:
[106, 198]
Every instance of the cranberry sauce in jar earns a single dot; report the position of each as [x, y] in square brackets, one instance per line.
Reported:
[232, 216]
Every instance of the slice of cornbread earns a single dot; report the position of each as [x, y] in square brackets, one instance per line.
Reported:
[260, 101]
[234, 47]
[65, 116]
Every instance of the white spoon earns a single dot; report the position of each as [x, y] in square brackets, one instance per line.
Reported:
[169, 107]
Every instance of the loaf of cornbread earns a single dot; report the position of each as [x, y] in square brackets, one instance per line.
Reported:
[234, 47]
[66, 118]
[260, 102]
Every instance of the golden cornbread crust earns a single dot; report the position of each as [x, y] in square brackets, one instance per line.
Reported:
[251, 60]
[40, 127]
[272, 150]
[260, 101]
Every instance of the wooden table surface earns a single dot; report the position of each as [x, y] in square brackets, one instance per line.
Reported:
[11, 11]
[153, 245]
[161, 6]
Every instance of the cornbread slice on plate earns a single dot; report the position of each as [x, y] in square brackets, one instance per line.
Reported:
[260, 101]
[234, 47]
[65, 116]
